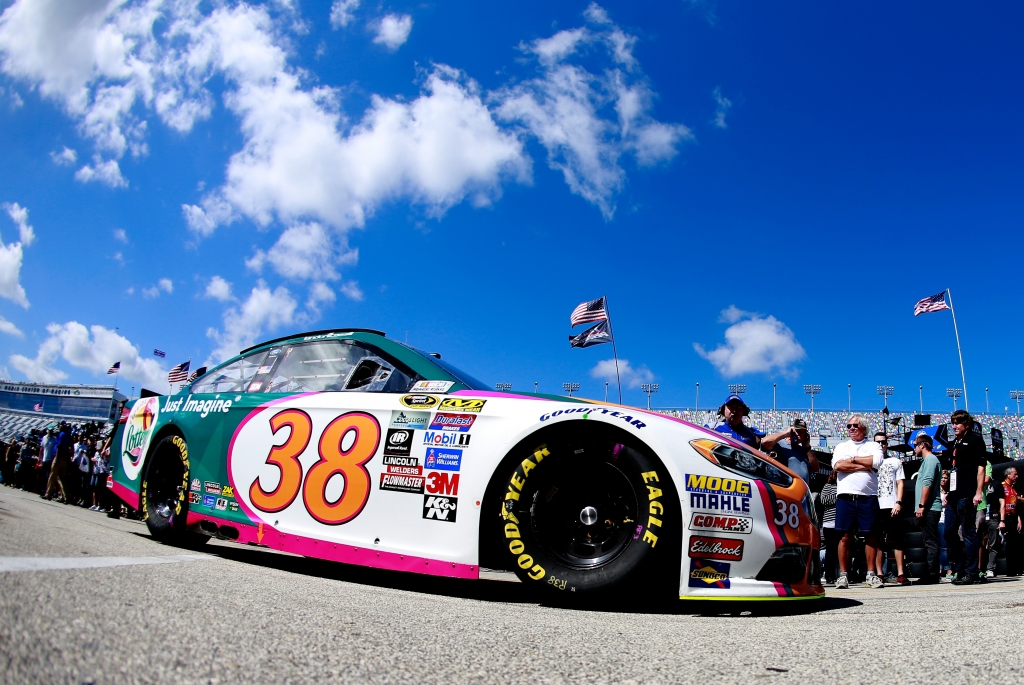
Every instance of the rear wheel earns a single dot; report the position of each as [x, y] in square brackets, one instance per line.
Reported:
[585, 512]
[165, 493]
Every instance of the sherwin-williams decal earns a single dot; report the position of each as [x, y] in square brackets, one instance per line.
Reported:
[709, 574]
[442, 459]
[462, 404]
[138, 433]
[418, 401]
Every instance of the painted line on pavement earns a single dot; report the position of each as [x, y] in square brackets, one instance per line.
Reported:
[11, 564]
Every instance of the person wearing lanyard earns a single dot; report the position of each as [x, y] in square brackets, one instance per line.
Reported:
[1010, 522]
[966, 485]
[730, 423]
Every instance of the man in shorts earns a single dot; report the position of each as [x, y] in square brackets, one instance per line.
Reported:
[857, 460]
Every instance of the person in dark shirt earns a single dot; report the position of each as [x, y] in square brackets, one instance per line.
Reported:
[966, 491]
[730, 423]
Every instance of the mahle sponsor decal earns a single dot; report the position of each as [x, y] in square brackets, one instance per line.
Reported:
[137, 435]
[723, 524]
[723, 549]
[410, 419]
[716, 485]
[709, 574]
[462, 404]
[732, 503]
[419, 401]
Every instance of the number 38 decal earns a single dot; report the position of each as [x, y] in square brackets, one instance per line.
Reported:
[347, 443]
[792, 519]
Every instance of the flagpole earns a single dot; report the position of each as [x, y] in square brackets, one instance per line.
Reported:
[615, 353]
[956, 330]
[116, 374]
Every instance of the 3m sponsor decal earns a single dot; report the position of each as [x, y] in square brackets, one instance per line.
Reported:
[398, 442]
[399, 483]
[406, 470]
[731, 503]
[442, 459]
[212, 488]
[586, 412]
[227, 491]
[462, 404]
[401, 461]
[442, 483]
[723, 549]
[209, 500]
[410, 419]
[716, 485]
[201, 407]
[452, 422]
[723, 524]
[440, 508]
[442, 439]
[432, 386]
[419, 401]
[222, 504]
[197, 486]
[709, 574]
[194, 498]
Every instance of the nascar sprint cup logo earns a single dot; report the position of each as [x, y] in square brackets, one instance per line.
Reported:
[137, 434]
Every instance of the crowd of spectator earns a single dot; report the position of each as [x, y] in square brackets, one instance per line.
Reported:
[66, 463]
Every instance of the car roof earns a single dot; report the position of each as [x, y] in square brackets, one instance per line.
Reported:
[325, 332]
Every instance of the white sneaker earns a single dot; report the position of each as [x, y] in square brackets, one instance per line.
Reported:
[875, 582]
[842, 583]
[990, 574]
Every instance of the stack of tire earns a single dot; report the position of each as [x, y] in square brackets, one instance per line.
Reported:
[915, 555]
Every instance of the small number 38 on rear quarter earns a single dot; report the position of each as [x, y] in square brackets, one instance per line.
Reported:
[349, 446]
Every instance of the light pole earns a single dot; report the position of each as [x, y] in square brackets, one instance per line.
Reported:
[1017, 395]
[920, 396]
[812, 390]
[737, 388]
[849, 399]
[696, 402]
[954, 393]
[650, 389]
[986, 400]
[570, 387]
[502, 387]
[606, 391]
[775, 387]
[886, 392]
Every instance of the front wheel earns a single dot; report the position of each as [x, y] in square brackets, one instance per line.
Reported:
[584, 513]
[165, 492]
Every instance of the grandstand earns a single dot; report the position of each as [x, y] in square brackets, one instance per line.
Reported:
[828, 428]
[27, 406]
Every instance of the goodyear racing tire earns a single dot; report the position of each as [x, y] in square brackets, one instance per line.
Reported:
[584, 513]
[165, 493]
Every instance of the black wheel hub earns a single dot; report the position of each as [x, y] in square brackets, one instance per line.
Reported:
[584, 513]
[164, 487]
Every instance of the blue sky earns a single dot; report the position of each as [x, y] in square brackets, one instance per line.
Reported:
[197, 176]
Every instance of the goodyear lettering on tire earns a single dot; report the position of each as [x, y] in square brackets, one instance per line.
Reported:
[654, 506]
[183, 494]
[516, 484]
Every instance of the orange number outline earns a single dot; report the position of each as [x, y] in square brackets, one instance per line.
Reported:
[286, 458]
[350, 464]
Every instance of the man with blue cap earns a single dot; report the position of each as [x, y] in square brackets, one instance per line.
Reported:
[730, 422]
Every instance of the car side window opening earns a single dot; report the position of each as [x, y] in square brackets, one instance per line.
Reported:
[321, 366]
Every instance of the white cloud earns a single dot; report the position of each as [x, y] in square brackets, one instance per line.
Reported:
[219, 289]
[342, 12]
[319, 294]
[120, 235]
[94, 349]
[724, 104]
[393, 30]
[631, 376]
[19, 215]
[106, 172]
[264, 310]
[163, 285]
[567, 109]
[754, 344]
[65, 157]
[304, 252]
[351, 290]
[9, 328]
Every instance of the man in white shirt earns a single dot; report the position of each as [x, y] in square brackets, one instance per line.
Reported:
[856, 461]
[890, 508]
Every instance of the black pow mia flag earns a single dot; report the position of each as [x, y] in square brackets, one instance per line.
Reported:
[595, 335]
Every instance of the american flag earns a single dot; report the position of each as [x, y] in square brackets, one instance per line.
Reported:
[159, 353]
[588, 312]
[114, 369]
[935, 303]
[197, 373]
[179, 374]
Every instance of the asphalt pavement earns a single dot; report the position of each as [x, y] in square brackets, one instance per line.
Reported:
[88, 599]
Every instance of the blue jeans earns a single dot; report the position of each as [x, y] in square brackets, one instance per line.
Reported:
[963, 556]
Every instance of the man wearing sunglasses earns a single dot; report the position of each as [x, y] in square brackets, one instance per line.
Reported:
[966, 485]
[857, 461]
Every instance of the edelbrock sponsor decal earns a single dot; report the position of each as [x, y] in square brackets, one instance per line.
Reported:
[723, 549]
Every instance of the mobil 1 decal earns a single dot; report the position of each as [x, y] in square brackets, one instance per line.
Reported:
[398, 442]
[446, 439]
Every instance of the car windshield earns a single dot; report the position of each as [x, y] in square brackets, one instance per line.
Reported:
[463, 377]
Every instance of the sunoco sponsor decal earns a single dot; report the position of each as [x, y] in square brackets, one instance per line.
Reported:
[137, 435]
[723, 549]
[709, 574]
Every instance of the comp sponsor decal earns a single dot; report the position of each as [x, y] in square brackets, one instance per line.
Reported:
[137, 435]
[410, 419]
[212, 488]
[452, 422]
[401, 483]
[585, 412]
[432, 386]
[730, 503]
[462, 404]
[443, 439]
[442, 459]
[722, 549]
[720, 523]
[419, 401]
[709, 574]
[438, 508]
[398, 442]
[716, 485]
[442, 483]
